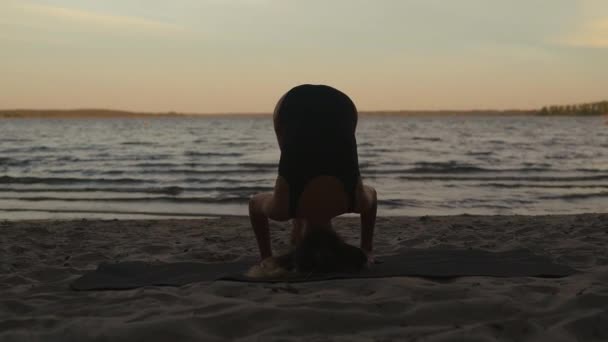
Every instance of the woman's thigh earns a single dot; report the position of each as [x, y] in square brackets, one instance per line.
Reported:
[275, 204]
[365, 197]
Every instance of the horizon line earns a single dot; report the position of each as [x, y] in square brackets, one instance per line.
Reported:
[186, 113]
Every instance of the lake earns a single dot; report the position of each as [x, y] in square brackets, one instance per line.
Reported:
[208, 166]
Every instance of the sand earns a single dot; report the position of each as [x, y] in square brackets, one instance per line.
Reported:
[38, 260]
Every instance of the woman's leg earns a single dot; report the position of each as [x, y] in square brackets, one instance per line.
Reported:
[259, 222]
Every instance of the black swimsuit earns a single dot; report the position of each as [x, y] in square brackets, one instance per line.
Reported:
[319, 140]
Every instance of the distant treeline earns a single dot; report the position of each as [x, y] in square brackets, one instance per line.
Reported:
[100, 114]
[595, 108]
[473, 112]
[77, 113]
[108, 114]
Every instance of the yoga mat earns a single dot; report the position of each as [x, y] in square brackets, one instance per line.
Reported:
[429, 263]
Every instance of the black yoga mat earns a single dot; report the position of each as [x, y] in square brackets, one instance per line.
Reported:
[430, 263]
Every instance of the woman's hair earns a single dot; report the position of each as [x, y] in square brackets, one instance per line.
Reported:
[322, 250]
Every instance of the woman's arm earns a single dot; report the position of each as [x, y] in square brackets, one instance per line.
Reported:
[367, 206]
[265, 206]
[259, 223]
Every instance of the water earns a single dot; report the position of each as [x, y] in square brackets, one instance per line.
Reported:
[191, 167]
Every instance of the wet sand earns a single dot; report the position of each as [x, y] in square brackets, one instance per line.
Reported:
[38, 260]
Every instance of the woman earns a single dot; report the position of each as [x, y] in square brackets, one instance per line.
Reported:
[318, 171]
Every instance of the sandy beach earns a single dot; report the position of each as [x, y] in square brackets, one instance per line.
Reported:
[38, 260]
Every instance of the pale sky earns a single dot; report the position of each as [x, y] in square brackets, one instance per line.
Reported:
[209, 56]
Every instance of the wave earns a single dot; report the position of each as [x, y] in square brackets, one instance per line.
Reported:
[375, 151]
[236, 144]
[84, 181]
[27, 149]
[396, 203]
[69, 159]
[14, 162]
[141, 157]
[505, 178]
[194, 172]
[269, 169]
[170, 190]
[242, 199]
[547, 186]
[112, 158]
[212, 154]
[222, 199]
[592, 170]
[202, 172]
[120, 212]
[219, 164]
[452, 169]
[479, 153]
[139, 143]
[204, 165]
[65, 180]
[426, 139]
[21, 140]
[576, 196]
[457, 167]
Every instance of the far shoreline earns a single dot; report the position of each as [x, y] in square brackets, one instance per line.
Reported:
[119, 114]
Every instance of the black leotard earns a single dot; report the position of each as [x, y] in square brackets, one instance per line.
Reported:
[318, 124]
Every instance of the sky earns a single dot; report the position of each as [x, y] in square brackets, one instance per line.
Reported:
[227, 56]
